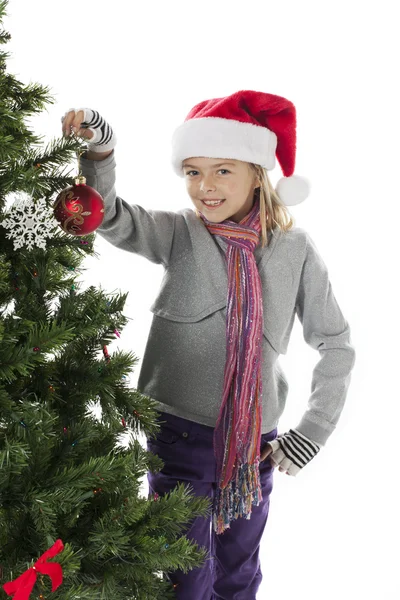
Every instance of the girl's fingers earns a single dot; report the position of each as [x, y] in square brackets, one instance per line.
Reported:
[76, 122]
[72, 120]
[96, 130]
[67, 121]
[77, 130]
[85, 133]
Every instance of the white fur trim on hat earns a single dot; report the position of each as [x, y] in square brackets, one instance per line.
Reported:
[215, 137]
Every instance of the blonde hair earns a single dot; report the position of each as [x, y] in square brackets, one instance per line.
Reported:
[273, 213]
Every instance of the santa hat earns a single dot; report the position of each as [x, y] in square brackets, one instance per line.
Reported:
[249, 126]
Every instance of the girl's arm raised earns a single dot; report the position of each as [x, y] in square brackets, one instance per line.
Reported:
[130, 227]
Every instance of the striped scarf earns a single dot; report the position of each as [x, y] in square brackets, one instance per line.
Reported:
[237, 434]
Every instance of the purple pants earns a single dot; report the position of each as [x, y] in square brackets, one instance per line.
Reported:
[232, 569]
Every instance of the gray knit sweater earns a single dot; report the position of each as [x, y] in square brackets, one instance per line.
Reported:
[184, 359]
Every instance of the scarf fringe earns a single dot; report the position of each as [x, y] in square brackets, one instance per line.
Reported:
[237, 498]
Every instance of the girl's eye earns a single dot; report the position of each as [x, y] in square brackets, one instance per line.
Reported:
[189, 172]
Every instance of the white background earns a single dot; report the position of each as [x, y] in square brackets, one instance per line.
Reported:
[333, 530]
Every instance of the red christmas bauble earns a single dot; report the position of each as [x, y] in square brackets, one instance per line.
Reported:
[79, 208]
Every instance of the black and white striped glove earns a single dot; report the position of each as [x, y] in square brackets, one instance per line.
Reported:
[104, 138]
[292, 451]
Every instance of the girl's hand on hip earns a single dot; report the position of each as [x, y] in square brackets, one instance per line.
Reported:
[290, 451]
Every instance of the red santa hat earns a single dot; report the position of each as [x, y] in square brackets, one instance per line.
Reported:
[249, 126]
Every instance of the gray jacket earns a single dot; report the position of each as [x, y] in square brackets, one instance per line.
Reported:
[184, 359]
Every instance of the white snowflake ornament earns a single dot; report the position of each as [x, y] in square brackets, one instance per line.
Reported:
[30, 222]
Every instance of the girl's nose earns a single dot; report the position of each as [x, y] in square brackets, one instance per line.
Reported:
[207, 185]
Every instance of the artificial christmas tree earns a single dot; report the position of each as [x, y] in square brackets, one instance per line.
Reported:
[69, 488]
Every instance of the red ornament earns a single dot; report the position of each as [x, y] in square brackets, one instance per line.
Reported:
[79, 208]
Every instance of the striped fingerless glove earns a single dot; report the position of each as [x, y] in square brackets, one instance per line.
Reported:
[104, 138]
[292, 451]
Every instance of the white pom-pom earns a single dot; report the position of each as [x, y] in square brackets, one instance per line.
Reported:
[293, 190]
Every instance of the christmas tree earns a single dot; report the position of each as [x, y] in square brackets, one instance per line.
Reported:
[72, 521]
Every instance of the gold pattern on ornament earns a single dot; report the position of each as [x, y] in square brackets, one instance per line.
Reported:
[75, 211]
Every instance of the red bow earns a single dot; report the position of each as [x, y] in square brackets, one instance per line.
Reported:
[22, 586]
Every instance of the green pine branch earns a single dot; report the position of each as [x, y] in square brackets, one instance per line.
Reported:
[71, 464]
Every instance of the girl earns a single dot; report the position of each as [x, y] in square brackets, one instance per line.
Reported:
[236, 273]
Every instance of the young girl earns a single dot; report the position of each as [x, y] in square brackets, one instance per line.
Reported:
[236, 273]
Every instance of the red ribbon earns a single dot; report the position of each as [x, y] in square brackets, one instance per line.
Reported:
[22, 586]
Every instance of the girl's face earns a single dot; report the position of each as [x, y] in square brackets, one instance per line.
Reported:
[231, 181]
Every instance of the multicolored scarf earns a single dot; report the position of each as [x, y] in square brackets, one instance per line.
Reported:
[237, 434]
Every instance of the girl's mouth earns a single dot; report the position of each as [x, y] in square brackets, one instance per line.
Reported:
[212, 205]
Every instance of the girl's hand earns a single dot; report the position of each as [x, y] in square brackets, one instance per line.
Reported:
[291, 451]
[89, 124]
[266, 452]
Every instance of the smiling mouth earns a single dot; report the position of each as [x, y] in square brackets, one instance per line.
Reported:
[212, 203]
